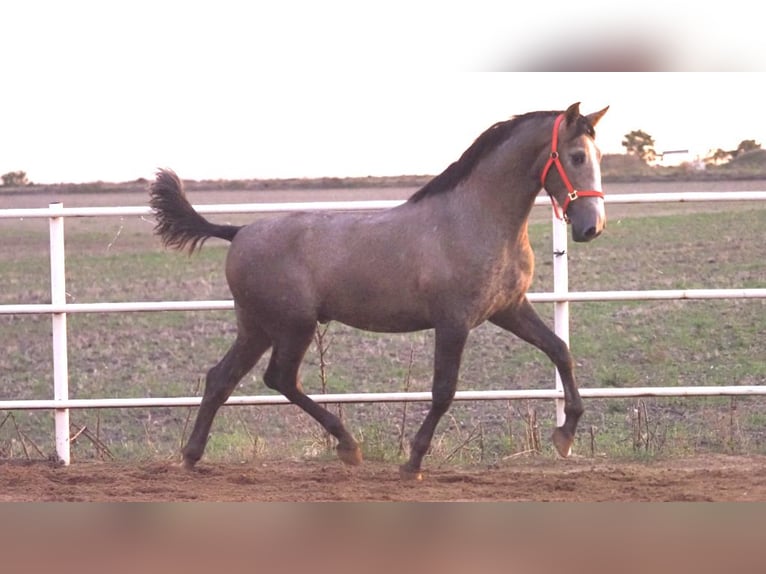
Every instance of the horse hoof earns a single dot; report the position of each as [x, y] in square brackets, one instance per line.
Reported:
[563, 442]
[410, 475]
[351, 456]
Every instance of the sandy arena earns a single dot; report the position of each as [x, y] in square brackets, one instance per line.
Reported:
[701, 478]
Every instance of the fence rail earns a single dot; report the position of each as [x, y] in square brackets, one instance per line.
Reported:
[58, 308]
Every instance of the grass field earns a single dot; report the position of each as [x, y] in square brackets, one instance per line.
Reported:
[615, 344]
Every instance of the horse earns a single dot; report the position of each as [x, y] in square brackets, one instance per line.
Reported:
[454, 255]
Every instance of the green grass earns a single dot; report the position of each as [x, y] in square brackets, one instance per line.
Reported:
[616, 344]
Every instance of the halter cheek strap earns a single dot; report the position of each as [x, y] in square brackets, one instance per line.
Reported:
[553, 159]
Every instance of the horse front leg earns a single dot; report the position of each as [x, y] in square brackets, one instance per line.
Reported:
[447, 355]
[523, 321]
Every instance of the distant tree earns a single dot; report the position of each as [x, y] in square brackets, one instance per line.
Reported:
[718, 157]
[746, 146]
[15, 179]
[641, 144]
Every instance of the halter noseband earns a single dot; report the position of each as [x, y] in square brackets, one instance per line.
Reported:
[572, 193]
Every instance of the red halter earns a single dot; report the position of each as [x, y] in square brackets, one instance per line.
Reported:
[572, 193]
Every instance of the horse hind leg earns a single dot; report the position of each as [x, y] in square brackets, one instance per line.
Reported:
[219, 384]
[282, 375]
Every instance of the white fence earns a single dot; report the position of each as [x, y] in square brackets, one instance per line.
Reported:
[58, 308]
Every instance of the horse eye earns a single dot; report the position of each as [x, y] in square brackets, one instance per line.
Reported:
[578, 158]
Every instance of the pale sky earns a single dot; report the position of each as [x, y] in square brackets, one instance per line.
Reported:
[110, 91]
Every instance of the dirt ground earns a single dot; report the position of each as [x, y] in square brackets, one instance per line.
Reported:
[702, 478]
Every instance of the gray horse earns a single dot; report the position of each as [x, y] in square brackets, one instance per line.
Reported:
[455, 255]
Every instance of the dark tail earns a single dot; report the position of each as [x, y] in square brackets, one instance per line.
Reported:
[178, 224]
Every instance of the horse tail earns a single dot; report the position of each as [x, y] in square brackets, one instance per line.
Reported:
[178, 224]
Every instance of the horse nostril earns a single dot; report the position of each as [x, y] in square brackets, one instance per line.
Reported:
[587, 234]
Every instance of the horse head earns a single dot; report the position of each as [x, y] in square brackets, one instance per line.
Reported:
[572, 173]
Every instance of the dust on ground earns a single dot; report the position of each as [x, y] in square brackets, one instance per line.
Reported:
[701, 478]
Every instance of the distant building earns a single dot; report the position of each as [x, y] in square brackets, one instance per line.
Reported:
[677, 157]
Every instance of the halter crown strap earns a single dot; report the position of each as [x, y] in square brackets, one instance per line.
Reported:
[554, 159]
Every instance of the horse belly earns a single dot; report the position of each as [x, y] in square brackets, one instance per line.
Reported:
[393, 323]
[375, 306]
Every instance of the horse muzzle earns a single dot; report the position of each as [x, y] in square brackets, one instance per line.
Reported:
[587, 217]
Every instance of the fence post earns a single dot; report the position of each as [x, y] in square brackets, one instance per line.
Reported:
[561, 308]
[59, 330]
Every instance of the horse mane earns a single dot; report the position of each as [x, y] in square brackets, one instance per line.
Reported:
[484, 144]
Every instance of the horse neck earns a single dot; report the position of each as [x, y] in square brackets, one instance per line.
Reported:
[504, 184]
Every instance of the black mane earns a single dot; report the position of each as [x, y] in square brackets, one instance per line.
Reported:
[484, 144]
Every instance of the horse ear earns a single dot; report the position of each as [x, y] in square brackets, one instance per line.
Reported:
[572, 113]
[596, 116]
